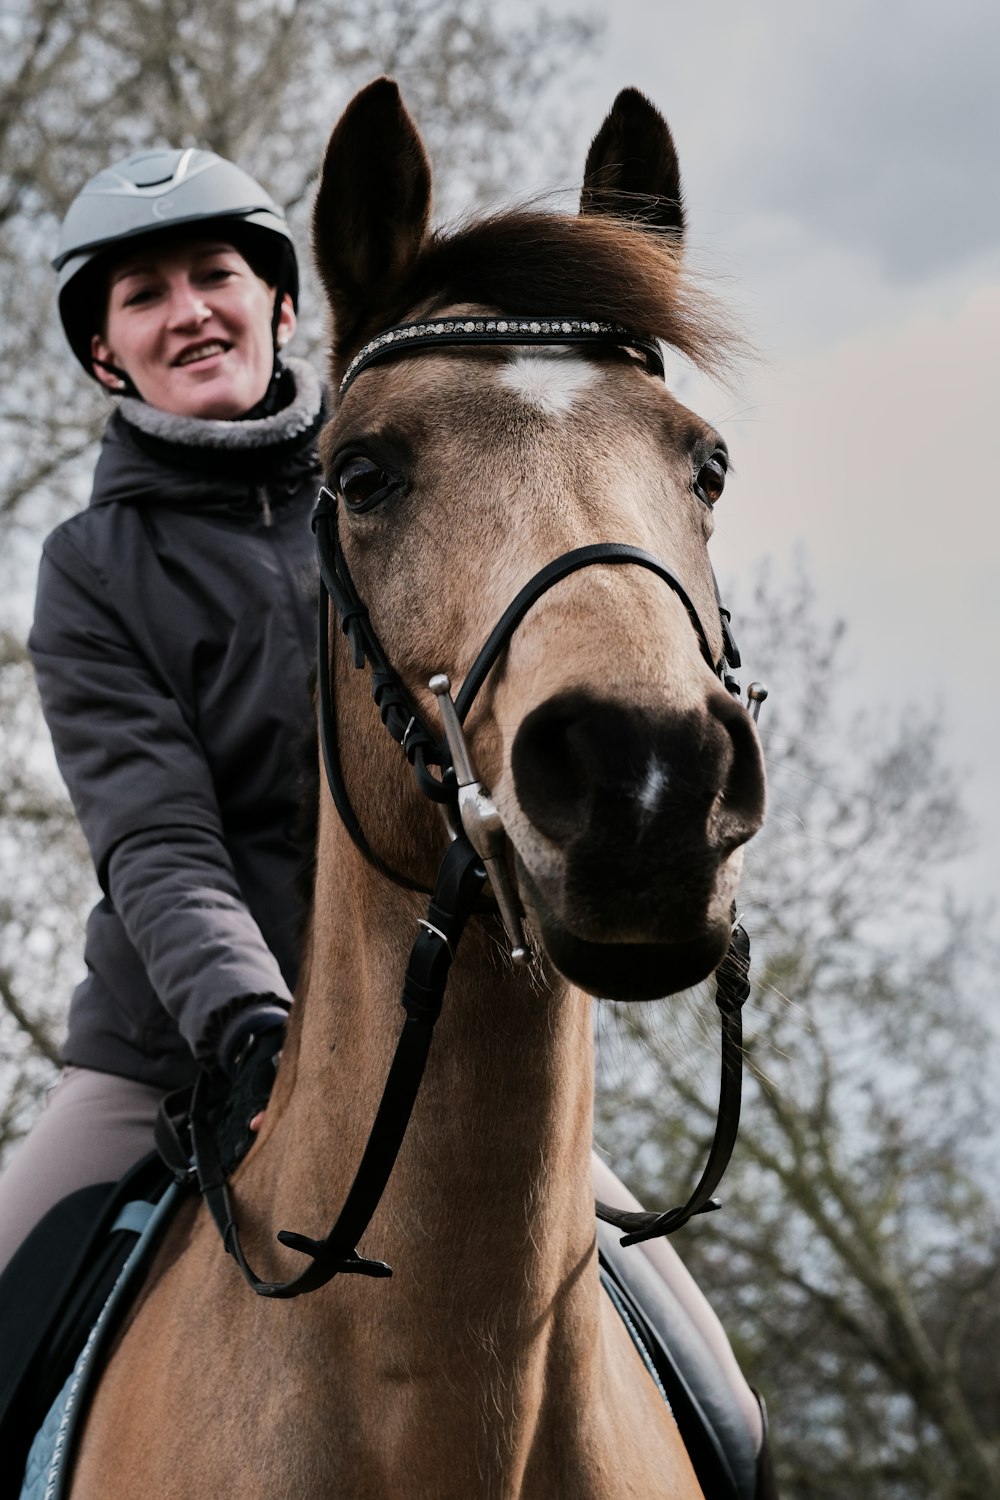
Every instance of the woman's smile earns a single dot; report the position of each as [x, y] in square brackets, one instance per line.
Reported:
[199, 353]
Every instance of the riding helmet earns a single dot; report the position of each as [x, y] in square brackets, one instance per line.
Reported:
[151, 193]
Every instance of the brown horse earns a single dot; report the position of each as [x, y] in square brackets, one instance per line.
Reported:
[626, 777]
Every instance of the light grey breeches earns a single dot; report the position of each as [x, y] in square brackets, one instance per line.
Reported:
[93, 1128]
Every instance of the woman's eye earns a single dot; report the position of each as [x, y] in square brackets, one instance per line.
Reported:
[711, 479]
[362, 482]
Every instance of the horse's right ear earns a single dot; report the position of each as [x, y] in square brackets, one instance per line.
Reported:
[372, 207]
[632, 170]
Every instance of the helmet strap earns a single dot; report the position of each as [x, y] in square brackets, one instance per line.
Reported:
[127, 386]
[280, 292]
[277, 341]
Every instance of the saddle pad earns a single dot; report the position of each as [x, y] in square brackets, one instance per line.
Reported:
[51, 1294]
[48, 1466]
[720, 1447]
[645, 1353]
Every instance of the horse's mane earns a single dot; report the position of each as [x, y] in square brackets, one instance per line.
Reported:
[522, 261]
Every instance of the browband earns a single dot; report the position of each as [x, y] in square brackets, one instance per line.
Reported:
[477, 331]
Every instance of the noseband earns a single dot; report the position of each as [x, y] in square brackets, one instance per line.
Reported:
[477, 846]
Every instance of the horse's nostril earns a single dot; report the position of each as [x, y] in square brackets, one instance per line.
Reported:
[552, 763]
[741, 797]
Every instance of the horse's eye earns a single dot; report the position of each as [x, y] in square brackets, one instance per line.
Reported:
[362, 482]
[711, 479]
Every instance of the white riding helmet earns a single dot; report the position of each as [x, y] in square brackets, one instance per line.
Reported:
[151, 193]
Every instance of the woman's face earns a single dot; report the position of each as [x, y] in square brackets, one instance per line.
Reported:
[190, 324]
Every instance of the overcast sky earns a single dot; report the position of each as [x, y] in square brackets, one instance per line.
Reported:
[840, 165]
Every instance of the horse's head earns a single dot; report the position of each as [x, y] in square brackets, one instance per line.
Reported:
[626, 775]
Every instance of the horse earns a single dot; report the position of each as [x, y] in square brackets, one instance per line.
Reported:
[500, 408]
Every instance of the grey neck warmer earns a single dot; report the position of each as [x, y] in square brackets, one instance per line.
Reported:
[214, 434]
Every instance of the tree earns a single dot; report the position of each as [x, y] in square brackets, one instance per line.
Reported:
[41, 901]
[857, 1259]
[82, 83]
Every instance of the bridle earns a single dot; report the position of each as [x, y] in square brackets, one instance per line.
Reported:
[477, 844]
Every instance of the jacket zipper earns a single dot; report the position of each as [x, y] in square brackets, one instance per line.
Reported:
[305, 627]
[265, 505]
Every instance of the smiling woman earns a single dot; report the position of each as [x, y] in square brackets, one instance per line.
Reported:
[191, 324]
[172, 643]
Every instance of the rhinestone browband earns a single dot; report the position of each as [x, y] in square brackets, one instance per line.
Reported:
[471, 331]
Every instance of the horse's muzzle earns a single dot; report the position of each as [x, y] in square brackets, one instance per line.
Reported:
[645, 810]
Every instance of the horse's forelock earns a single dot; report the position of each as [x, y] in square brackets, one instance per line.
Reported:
[524, 261]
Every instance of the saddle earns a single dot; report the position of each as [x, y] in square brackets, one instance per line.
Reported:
[66, 1282]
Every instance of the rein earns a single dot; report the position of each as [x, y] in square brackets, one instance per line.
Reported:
[478, 841]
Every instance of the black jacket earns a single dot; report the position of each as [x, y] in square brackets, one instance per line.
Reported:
[173, 636]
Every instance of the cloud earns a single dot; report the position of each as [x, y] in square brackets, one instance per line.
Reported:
[875, 457]
[876, 126]
[866, 129]
[877, 454]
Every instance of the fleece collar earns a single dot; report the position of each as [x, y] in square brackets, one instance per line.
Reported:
[213, 434]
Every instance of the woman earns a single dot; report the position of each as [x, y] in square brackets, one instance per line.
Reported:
[172, 640]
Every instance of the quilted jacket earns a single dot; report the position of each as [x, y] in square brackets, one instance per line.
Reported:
[172, 643]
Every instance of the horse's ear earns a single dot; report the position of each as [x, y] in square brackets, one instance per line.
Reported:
[632, 170]
[372, 207]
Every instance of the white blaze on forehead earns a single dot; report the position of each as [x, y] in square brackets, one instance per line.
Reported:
[549, 378]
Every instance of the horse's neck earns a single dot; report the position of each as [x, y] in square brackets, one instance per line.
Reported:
[488, 1217]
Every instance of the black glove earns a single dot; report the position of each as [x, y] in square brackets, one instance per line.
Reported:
[254, 1067]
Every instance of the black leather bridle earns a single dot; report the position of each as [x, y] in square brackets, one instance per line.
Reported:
[463, 870]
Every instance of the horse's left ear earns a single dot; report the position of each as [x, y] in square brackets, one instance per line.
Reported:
[632, 170]
[372, 207]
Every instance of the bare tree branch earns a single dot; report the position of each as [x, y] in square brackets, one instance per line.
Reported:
[38, 1033]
